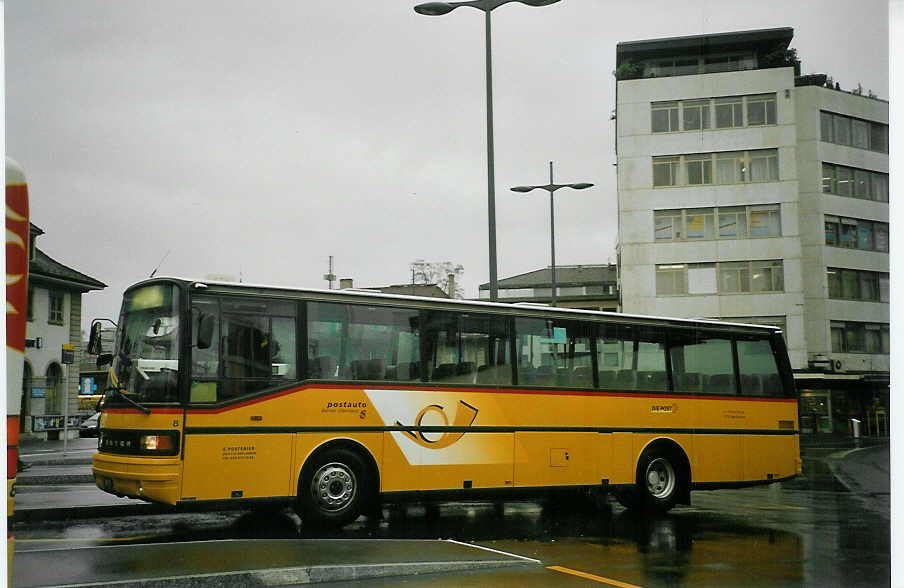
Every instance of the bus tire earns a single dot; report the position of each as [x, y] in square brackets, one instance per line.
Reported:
[659, 480]
[333, 487]
[628, 497]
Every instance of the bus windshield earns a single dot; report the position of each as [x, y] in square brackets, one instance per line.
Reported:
[146, 352]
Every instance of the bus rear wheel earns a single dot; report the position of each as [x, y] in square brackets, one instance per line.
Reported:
[333, 488]
[658, 485]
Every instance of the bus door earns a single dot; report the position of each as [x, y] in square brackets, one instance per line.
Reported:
[236, 439]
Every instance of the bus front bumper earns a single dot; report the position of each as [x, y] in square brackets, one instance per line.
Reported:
[145, 478]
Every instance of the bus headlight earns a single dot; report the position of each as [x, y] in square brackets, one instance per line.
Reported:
[157, 444]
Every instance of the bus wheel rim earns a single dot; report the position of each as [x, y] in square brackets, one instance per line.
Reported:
[334, 487]
[660, 477]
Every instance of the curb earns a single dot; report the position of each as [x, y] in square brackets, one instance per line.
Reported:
[29, 515]
[311, 574]
[72, 460]
[834, 462]
[54, 479]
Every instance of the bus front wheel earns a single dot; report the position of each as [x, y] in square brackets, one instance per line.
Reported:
[333, 487]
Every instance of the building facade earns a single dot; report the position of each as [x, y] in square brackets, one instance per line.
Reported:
[54, 314]
[749, 193]
[588, 287]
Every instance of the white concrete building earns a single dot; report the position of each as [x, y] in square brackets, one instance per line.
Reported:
[54, 316]
[749, 193]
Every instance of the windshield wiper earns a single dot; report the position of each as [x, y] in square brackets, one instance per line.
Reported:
[118, 392]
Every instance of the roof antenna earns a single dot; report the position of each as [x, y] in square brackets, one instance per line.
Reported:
[159, 264]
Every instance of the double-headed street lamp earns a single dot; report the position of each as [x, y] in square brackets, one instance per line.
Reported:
[438, 9]
[551, 188]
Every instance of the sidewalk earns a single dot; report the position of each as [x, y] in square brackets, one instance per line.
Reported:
[864, 470]
[78, 452]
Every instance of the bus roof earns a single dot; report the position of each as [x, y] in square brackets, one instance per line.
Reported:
[508, 308]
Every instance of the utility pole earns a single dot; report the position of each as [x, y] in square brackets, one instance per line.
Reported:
[330, 277]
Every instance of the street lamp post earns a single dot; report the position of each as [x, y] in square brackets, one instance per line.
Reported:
[438, 9]
[551, 188]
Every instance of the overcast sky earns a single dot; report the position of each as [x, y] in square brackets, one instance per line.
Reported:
[258, 138]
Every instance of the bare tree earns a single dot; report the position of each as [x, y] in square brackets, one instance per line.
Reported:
[437, 272]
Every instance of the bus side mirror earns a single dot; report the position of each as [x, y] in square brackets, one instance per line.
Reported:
[94, 344]
[205, 331]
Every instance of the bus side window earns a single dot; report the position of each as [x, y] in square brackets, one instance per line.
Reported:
[553, 352]
[252, 347]
[701, 362]
[204, 361]
[467, 348]
[759, 372]
[326, 324]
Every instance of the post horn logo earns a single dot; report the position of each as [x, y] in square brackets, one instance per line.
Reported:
[464, 417]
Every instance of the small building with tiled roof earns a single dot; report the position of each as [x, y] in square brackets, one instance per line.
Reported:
[54, 319]
[588, 287]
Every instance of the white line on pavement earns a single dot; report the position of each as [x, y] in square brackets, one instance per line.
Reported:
[537, 561]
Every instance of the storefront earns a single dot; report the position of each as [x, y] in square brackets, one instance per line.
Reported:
[829, 402]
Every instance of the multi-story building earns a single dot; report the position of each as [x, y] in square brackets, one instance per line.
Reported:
[749, 193]
[50, 387]
[589, 287]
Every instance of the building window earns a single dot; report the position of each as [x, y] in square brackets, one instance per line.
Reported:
[767, 276]
[848, 284]
[878, 185]
[851, 233]
[665, 171]
[30, 305]
[55, 316]
[733, 167]
[668, 225]
[764, 166]
[722, 63]
[860, 133]
[851, 337]
[825, 127]
[701, 278]
[733, 222]
[729, 112]
[878, 137]
[671, 280]
[699, 223]
[859, 183]
[732, 277]
[696, 115]
[761, 110]
[664, 117]
[730, 167]
[765, 221]
[699, 169]
[855, 132]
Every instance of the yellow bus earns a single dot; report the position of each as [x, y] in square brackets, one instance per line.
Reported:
[335, 400]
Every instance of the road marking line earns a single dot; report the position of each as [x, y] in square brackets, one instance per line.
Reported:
[601, 579]
[537, 561]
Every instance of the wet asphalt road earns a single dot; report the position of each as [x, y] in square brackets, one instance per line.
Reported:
[806, 532]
